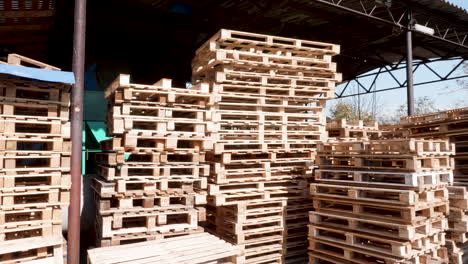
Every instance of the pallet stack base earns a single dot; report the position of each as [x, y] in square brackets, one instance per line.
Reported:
[34, 168]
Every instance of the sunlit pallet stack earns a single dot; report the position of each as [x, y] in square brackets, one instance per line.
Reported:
[34, 168]
[152, 174]
[452, 124]
[381, 201]
[343, 128]
[267, 97]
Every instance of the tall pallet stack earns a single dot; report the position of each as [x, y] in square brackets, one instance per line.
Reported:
[343, 128]
[381, 201]
[452, 124]
[268, 94]
[34, 168]
[152, 173]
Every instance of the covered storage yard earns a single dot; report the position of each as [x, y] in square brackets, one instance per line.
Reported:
[151, 131]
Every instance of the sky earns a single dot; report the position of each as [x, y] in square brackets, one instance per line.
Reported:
[445, 95]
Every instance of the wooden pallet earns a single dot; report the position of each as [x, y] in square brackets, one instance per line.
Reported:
[375, 244]
[258, 146]
[138, 222]
[250, 210]
[238, 115]
[28, 250]
[161, 142]
[246, 158]
[185, 249]
[38, 198]
[14, 89]
[419, 147]
[146, 187]
[261, 102]
[142, 237]
[330, 255]
[380, 195]
[33, 110]
[316, 74]
[34, 179]
[147, 203]
[385, 162]
[135, 125]
[226, 194]
[30, 161]
[406, 180]
[18, 60]
[29, 217]
[382, 228]
[382, 212]
[348, 253]
[34, 126]
[26, 142]
[162, 87]
[237, 40]
[153, 171]
[239, 233]
[261, 171]
[298, 93]
[27, 231]
[135, 158]
[454, 114]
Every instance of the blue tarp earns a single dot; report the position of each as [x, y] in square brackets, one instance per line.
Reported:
[38, 74]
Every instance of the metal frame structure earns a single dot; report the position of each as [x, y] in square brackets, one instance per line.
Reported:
[403, 15]
[389, 71]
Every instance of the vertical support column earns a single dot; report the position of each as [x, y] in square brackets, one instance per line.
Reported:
[409, 65]
[76, 132]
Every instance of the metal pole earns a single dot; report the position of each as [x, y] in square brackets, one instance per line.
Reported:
[76, 132]
[409, 65]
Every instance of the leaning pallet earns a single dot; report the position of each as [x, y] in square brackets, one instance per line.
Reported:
[191, 249]
[266, 111]
[152, 173]
[451, 124]
[34, 168]
[371, 205]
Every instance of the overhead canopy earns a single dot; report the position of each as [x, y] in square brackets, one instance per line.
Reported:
[151, 39]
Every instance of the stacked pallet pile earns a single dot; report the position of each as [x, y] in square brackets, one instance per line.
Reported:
[34, 169]
[343, 128]
[452, 124]
[381, 201]
[267, 97]
[152, 173]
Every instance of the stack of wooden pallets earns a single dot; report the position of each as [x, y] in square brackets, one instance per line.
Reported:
[267, 97]
[343, 128]
[452, 124]
[152, 173]
[34, 168]
[381, 201]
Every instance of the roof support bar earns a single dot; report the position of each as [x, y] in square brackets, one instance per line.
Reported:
[409, 66]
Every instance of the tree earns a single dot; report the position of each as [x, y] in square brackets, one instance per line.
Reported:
[351, 110]
[464, 83]
[422, 105]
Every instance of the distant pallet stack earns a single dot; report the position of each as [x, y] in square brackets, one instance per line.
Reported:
[152, 174]
[452, 124]
[34, 168]
[268, 94]
[343, 128]
[381, 201]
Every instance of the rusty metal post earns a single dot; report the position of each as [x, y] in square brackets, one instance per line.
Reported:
[76, 132]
